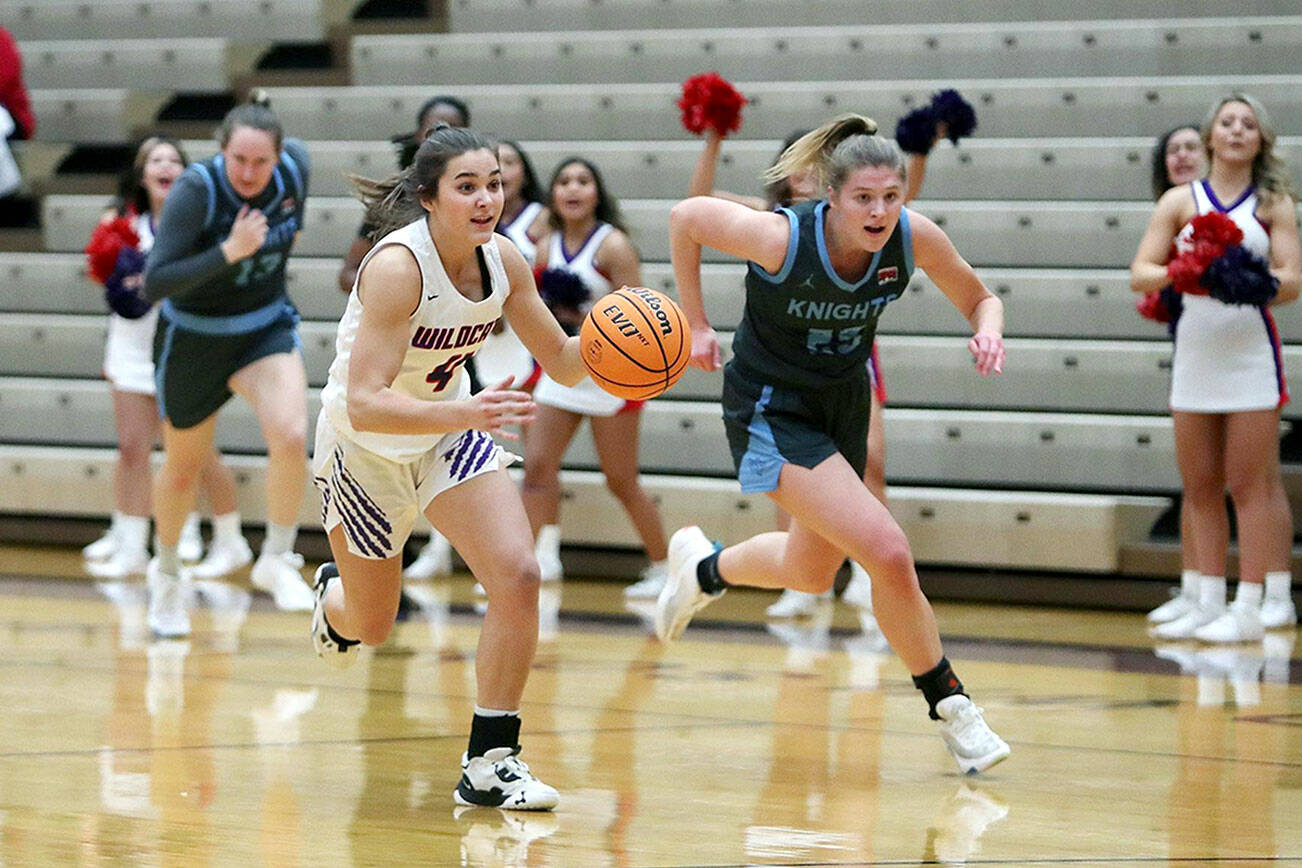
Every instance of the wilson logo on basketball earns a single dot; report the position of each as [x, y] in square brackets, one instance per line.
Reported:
[888, 275]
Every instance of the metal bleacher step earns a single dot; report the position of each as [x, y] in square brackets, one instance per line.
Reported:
[956, 527]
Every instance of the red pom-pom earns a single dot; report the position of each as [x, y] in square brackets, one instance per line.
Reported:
[1217, 230]
[1211, 234]
[1152, 306]
[106, 242]
[1185, 271]
[710, 102]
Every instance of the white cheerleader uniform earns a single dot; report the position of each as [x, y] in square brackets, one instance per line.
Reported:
[129, 350]
[503, 355]
[586, 398]
[1227, 357]
[374, 484]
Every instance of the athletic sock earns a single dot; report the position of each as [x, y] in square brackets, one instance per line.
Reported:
[492, 728]
[280, 539]
[937, 683]
[1279, 585]
[225, 527]
[707, 575]
[169, 561]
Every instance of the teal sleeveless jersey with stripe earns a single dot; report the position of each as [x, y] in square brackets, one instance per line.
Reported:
[805, 327]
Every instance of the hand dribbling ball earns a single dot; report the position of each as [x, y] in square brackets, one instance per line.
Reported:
[635, 343]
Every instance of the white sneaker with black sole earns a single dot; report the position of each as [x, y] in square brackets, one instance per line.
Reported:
[500, 779]
[967, 735]
[682, 597]
[337, 655]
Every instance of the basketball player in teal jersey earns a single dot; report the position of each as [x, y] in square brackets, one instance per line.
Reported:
[795, 395]
[227, 326]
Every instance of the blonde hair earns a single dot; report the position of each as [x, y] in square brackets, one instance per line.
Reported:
[1269, 171]
[835, 149]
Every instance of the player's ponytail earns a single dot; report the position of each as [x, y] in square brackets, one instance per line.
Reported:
[810, 152]
[255, 113]
[396, 201]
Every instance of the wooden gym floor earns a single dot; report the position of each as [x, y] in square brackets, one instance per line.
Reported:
[801, 743]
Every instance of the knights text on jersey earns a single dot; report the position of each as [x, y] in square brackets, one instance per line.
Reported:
[807, 327]
[445, 332]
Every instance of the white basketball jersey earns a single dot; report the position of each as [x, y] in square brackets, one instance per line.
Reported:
[444, 332]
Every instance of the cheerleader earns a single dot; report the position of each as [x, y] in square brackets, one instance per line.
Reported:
[586, 255]
[1227, 378]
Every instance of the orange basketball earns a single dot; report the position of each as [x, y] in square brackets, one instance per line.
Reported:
[635, 343]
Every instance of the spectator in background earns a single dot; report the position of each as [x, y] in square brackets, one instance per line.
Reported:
[13, 93]
[436, 110]
[16, 122]
[1177, 159]
[116, 258]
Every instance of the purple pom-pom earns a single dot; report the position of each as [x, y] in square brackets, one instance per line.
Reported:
[566, 295]
[955, 112]
[124, 288]
[915, 133]
[1238, 276]
[562, 288]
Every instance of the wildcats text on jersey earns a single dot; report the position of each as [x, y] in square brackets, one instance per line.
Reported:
[426, 338]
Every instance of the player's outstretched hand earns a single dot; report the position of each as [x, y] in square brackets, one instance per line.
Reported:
[498, 406]
[247, 234]
[705, 349]
[988, 351]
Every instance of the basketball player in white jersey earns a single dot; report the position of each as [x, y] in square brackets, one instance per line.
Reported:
[1227, 378]
[399, 433]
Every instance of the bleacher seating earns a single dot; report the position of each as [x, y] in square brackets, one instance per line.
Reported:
[90, 116]
[777, 53]
[1053, 464]
[475, 16]
[1025, 107]
[247, 20]
[183, 64]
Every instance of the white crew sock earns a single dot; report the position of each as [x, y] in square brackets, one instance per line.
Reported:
[1248, 595]
[1279, 586]
[133, 532]
[226, 527]
[1211, 593]
[280, 539]
[1189, 584]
